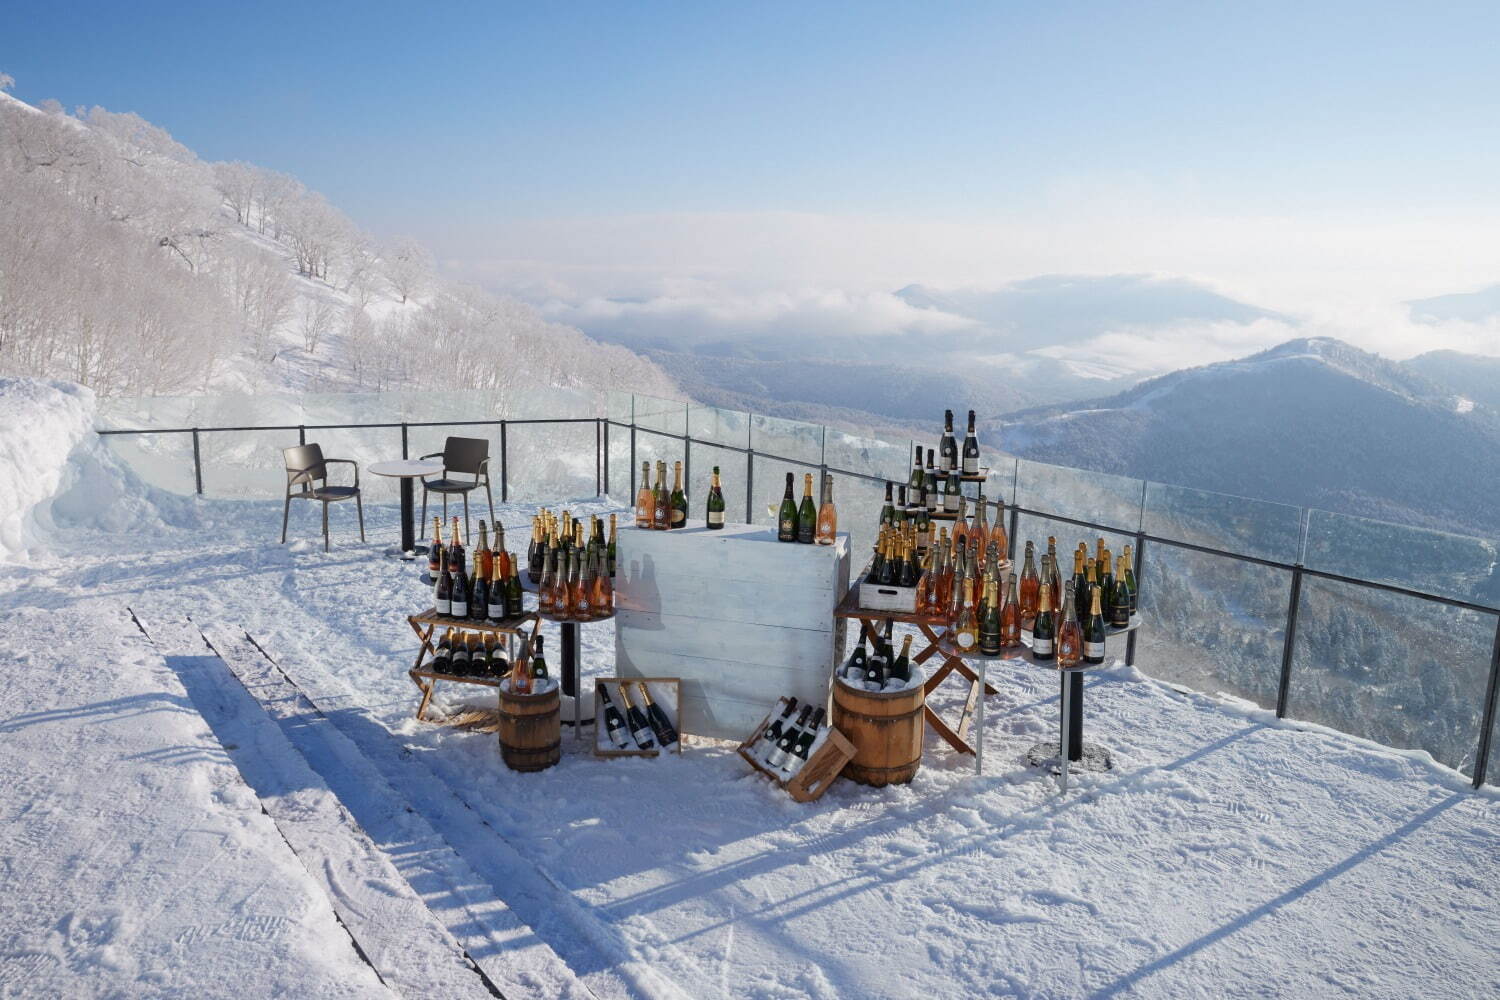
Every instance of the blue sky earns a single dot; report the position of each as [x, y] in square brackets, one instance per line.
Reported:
[1180, 137]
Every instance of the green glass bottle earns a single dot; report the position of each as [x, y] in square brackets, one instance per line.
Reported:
[807, 513]
[1044, 632]
[989, 620]
[714, 520]
[786, 518]
[679, 513]
[1093, 628]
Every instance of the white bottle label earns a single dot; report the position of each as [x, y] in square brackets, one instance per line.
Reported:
[1041, 647]
[1093, 650]
[971, 465]
[643, 738]
[459, 609]
[496, 610]
[965, 640]
[950, 503]
[716, 517]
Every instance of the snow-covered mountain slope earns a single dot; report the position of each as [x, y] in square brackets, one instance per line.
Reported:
[1313, 422]
[135, 268]
[1473, 378]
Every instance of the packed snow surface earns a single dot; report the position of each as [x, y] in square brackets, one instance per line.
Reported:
[1227, 854]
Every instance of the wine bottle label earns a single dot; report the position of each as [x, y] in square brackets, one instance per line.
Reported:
[643, 739]
[716, 517]
[496, 610]
[1041, 647]
[679, 516]
[459, 609]
[971, 465]
[788, 527]
[965, 640]
[1093, 650]
[950, 503]
[617, 735]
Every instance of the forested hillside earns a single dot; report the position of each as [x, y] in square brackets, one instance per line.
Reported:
[129, 265]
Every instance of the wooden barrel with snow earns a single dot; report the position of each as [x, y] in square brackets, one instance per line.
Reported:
[530, 729]
[886, 730]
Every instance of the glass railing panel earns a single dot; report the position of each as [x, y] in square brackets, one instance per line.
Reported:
[868, 456]
[1398, 670]
[718, 426]
[792, 440]
[246, 465]
[1434, 562]
[1212, 623]
[551, 463]
[1222, 521]
[161, 460]
[618, 406]
[700, 472]
[666, 415]
[1097, 497]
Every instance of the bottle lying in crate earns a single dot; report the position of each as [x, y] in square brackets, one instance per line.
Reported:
[630, 721]
[796, 747]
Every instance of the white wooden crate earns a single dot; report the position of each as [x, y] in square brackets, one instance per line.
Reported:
[741, 618]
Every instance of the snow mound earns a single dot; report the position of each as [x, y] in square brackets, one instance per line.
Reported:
[57, 475]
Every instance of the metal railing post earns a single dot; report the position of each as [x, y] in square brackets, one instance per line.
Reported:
[1139, 570]
[1487, 727]
[404, 446]
[605, 423]
[749, 485]
[1291, 639]
[687, 460]
[633, 487]
[598, 466]
[197, 463]
[301, 434]
[504, 467]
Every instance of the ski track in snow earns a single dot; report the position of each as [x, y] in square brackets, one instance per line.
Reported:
[1225, 855]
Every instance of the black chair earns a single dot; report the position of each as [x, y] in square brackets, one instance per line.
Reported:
[306, 467]
[461, 457]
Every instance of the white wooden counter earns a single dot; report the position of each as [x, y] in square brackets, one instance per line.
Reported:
[742, 618]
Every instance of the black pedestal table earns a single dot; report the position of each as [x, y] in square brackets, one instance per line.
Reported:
[406, 470]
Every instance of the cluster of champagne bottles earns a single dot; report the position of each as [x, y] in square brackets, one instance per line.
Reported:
[529, 671]
[881, 668]
[490, 590]
[634, 727]
[1069, 620]
[806, 523]
[573, 570]
[469, 654]
[901, 510]
[785, 744]
[937, 486]
[661, 509]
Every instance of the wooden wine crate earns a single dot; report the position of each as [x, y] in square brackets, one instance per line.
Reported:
[877, 597]
[818, 774]
[665, 691]
[739, 617]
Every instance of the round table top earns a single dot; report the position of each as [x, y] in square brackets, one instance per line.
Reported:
[405, 468]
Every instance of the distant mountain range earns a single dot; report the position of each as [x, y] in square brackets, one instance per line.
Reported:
[1313, 422]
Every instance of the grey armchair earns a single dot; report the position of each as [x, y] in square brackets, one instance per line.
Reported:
[461, 457]
[306, 467]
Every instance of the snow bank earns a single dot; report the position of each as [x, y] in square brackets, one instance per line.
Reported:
[56, 474]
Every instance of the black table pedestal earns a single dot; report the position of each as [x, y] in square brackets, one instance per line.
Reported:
[408, 532]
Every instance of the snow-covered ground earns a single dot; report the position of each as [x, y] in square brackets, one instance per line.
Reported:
[252, 817]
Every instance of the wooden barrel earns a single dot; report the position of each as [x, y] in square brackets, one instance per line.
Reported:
[530, 730]
[886, 730]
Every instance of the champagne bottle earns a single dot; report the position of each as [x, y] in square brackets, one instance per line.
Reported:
[1044, 631]
[443, 592]
[952, 494]
[901, 666]
[715, 516]
[614, 723]
[460, 654]
[1030, 586]
[1055, 575]
[971, 449]
[456, 555]
[645, 499]
[802, 749]
[911, 571]
[930, 484]
[1107, 581]
[442, 657]
[876, 667]
[1010, 616]
[611, 550]
[788, 739]
[1069, 635]
[854, 667]
[546, 596]
[888, 512]
[1119, 601]
[980, 530]
[536, 553]
[1093, 629]
[807, 514]
[917, 476]
[990, 632]
[786, 518]
[898, 519]
[603, 598]
[1127, 573]
[580, 597]
[965, 628]
[1080, 580]
[640, 730]
[514, 605]
[459, 597]
[924, 523]
[538, 663]
[928, 601]
[679, 513]
[828, 516]
[499, 665]
[479, 592]
[661, 500]
[520, 673]
[948, 447]
[890, 569]
[482, 554]
[773, 733]
[435, 560]
[661, 726]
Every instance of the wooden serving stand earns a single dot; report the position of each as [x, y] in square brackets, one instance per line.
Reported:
[957, 738]
[427, 622]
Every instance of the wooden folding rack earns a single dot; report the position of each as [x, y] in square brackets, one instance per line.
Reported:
[956, 737]
[428, 621]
